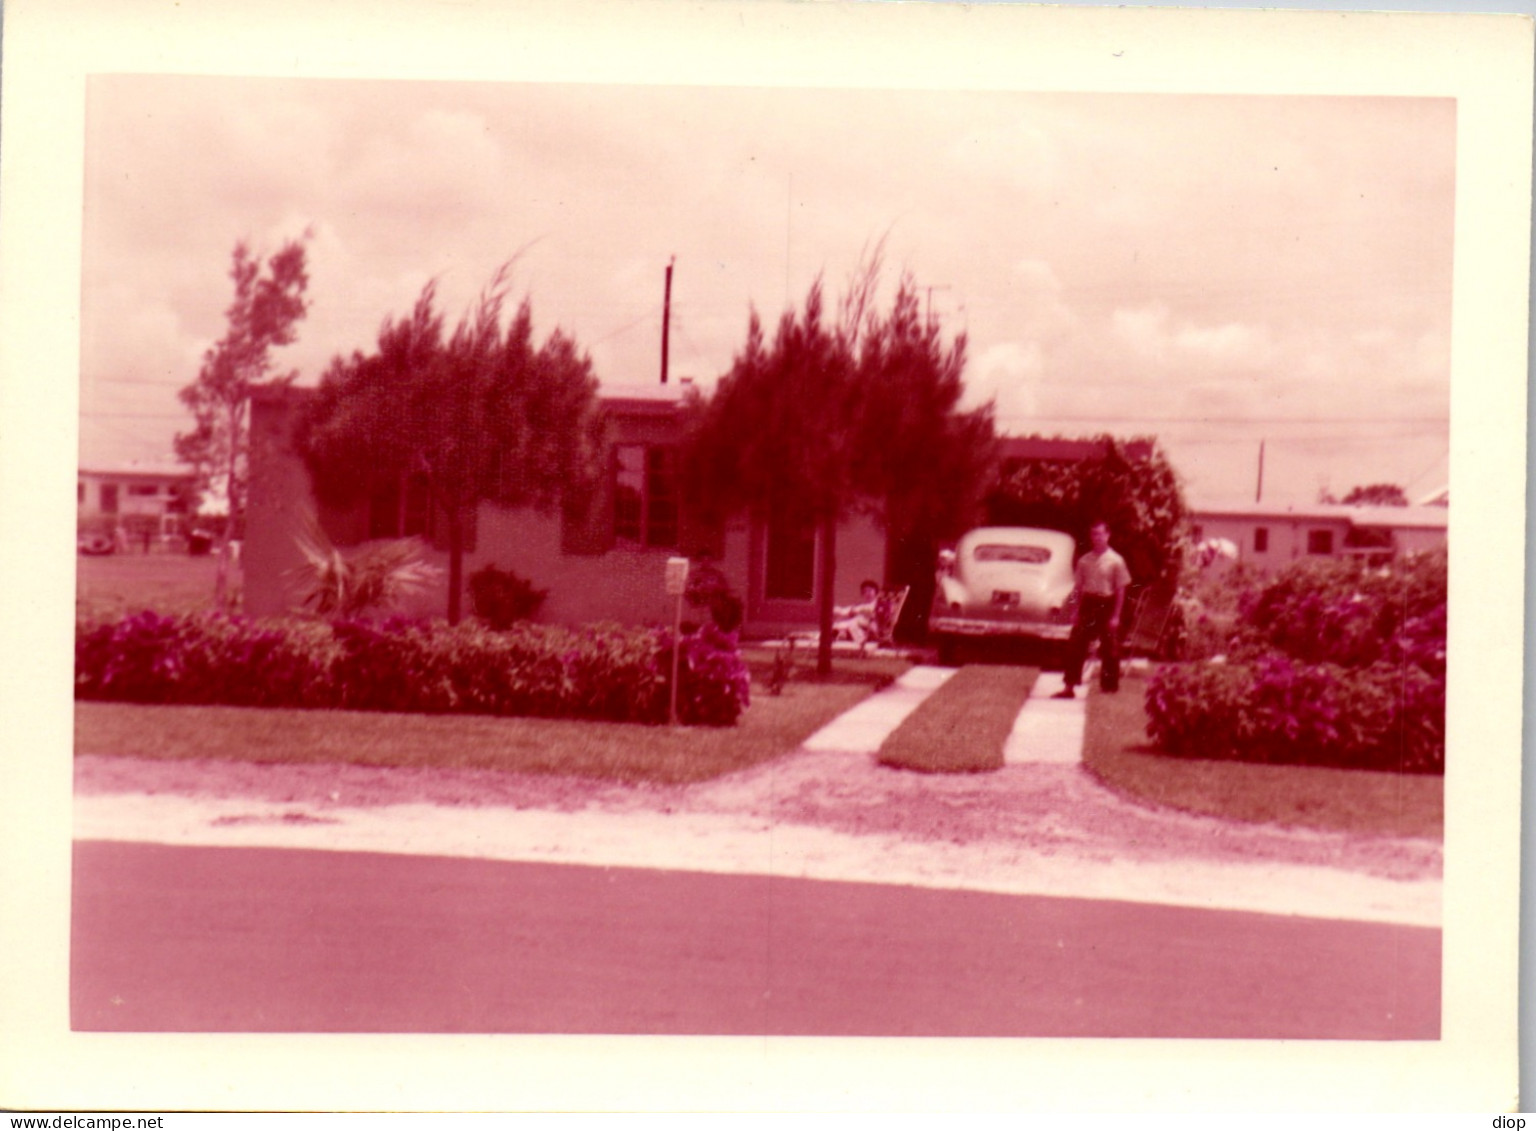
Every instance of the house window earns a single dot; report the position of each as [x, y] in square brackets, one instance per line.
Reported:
[79, 492]
[1261, 539]
[401, 509]
[645, 495]
[109, 498]
[1320, 542]
[789, 572]
[405, 508]
[143, 490]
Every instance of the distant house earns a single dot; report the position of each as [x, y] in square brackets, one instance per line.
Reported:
[602, 561]
[157, 498]
[1270, 535]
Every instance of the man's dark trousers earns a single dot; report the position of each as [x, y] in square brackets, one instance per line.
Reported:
[1092, 623]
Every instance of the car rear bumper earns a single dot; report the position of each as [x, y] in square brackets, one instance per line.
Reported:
[977, 626]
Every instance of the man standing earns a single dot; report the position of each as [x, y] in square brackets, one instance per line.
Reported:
[1101, 580]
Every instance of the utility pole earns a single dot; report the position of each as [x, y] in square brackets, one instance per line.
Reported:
[1258, 495]
[666, 320]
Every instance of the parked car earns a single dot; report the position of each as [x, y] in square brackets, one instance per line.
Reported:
[1004, 581]
[95, 543]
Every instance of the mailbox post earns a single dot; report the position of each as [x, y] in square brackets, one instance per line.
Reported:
[677, 583]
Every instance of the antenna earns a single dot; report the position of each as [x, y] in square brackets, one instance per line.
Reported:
[666, 320]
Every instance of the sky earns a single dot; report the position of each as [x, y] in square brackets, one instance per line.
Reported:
[1215, 271]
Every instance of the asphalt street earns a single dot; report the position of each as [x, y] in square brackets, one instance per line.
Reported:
[200, 939]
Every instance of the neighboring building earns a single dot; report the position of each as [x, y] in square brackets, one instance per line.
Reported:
[604, 561]
[135, 496]
[1271, 535]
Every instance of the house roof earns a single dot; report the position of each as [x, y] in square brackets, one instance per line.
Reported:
[1023, 448]
[648, 400]
[1398, 517]
[138, 471]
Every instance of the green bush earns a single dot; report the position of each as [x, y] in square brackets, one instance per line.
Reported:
[1381, 717]
[1332, 663]
[501, 598]
[1344, 612]
[597, 672]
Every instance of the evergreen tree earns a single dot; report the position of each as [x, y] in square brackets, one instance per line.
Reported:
[481, 415]
[827, 421]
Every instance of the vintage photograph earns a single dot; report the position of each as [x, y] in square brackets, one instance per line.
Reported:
[942, 570]
[739, 561]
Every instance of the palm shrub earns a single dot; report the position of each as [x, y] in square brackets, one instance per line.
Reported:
[367, 580]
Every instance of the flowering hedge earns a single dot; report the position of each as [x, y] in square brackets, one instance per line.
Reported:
[1332, 663]
[1346, 613]
[601, 672]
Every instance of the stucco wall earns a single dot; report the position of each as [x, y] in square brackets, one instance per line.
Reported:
[278, 507]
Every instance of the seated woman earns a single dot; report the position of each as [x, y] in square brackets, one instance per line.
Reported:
[858, 622]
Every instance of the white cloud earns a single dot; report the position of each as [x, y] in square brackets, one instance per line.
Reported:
[1144, 330]
[1008, 375]
[1112, 258]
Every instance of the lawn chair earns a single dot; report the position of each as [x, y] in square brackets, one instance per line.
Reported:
[887, 613]
[1149, 617]
[888, 606]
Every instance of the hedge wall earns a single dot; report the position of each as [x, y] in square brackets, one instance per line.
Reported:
[601, 672]
[1331, 663]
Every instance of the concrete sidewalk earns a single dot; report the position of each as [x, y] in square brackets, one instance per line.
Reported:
[1047, 729]
[742, 844]
[867, 725]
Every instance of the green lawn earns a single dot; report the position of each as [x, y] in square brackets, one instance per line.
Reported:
[772, 727]
[119, 584]
[1116, 751]
[961, 727]
[116, 585]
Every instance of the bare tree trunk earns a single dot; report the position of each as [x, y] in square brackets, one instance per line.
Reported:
[221, 597]
[827, 580]
[455, 564]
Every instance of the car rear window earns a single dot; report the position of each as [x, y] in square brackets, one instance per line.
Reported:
[1028, 555]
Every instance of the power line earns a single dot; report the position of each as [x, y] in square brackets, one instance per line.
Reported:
[139, 381]
[627, 326]
[88, 413]
[1422, 421]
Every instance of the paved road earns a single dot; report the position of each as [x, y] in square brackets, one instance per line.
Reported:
[176, 938]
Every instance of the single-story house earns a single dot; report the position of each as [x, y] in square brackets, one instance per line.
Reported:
[1272, 535]
[603, 562]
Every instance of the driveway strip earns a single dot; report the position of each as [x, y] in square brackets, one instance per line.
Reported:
[864, 728]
